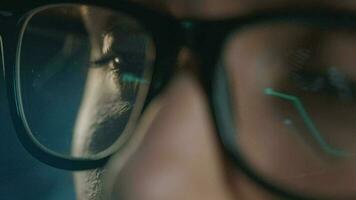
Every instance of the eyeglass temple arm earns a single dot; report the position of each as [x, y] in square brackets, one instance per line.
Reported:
[313, 130]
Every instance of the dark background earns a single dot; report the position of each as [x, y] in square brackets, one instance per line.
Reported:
[22, 176]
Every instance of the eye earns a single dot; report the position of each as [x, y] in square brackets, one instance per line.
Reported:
[115, 62]
[125, 59]
[126, 65]
[126, 69]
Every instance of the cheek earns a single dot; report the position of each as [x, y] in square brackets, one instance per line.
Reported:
[89, 184]
[98, 123]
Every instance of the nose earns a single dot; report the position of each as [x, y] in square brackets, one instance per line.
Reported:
[178, 156]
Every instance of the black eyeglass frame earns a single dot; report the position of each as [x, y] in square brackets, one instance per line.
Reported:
[205, 38]
[14, 19]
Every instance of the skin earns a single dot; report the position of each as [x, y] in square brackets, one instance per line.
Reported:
[175, 153]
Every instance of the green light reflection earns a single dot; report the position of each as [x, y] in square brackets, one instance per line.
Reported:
[313, 130]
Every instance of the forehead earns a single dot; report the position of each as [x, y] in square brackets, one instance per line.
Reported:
[225, 8]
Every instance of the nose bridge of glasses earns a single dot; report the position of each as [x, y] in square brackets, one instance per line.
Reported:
[190, 31]
[201, 37]
[189, 54]
[193, 38]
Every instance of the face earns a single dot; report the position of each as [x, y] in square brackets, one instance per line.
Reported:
[175, 153]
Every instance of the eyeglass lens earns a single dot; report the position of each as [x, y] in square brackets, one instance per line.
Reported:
[83, 73]
[292, 90]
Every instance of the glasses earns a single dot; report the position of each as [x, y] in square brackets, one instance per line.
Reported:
[280, 87]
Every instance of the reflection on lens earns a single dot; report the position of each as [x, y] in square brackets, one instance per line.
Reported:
[293, 96]
[83, 72]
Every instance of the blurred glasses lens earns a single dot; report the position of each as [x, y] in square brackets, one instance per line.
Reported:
[83, 74]
[291, 90]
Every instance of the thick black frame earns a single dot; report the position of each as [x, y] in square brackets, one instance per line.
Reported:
[205, 38]
[13, 21]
